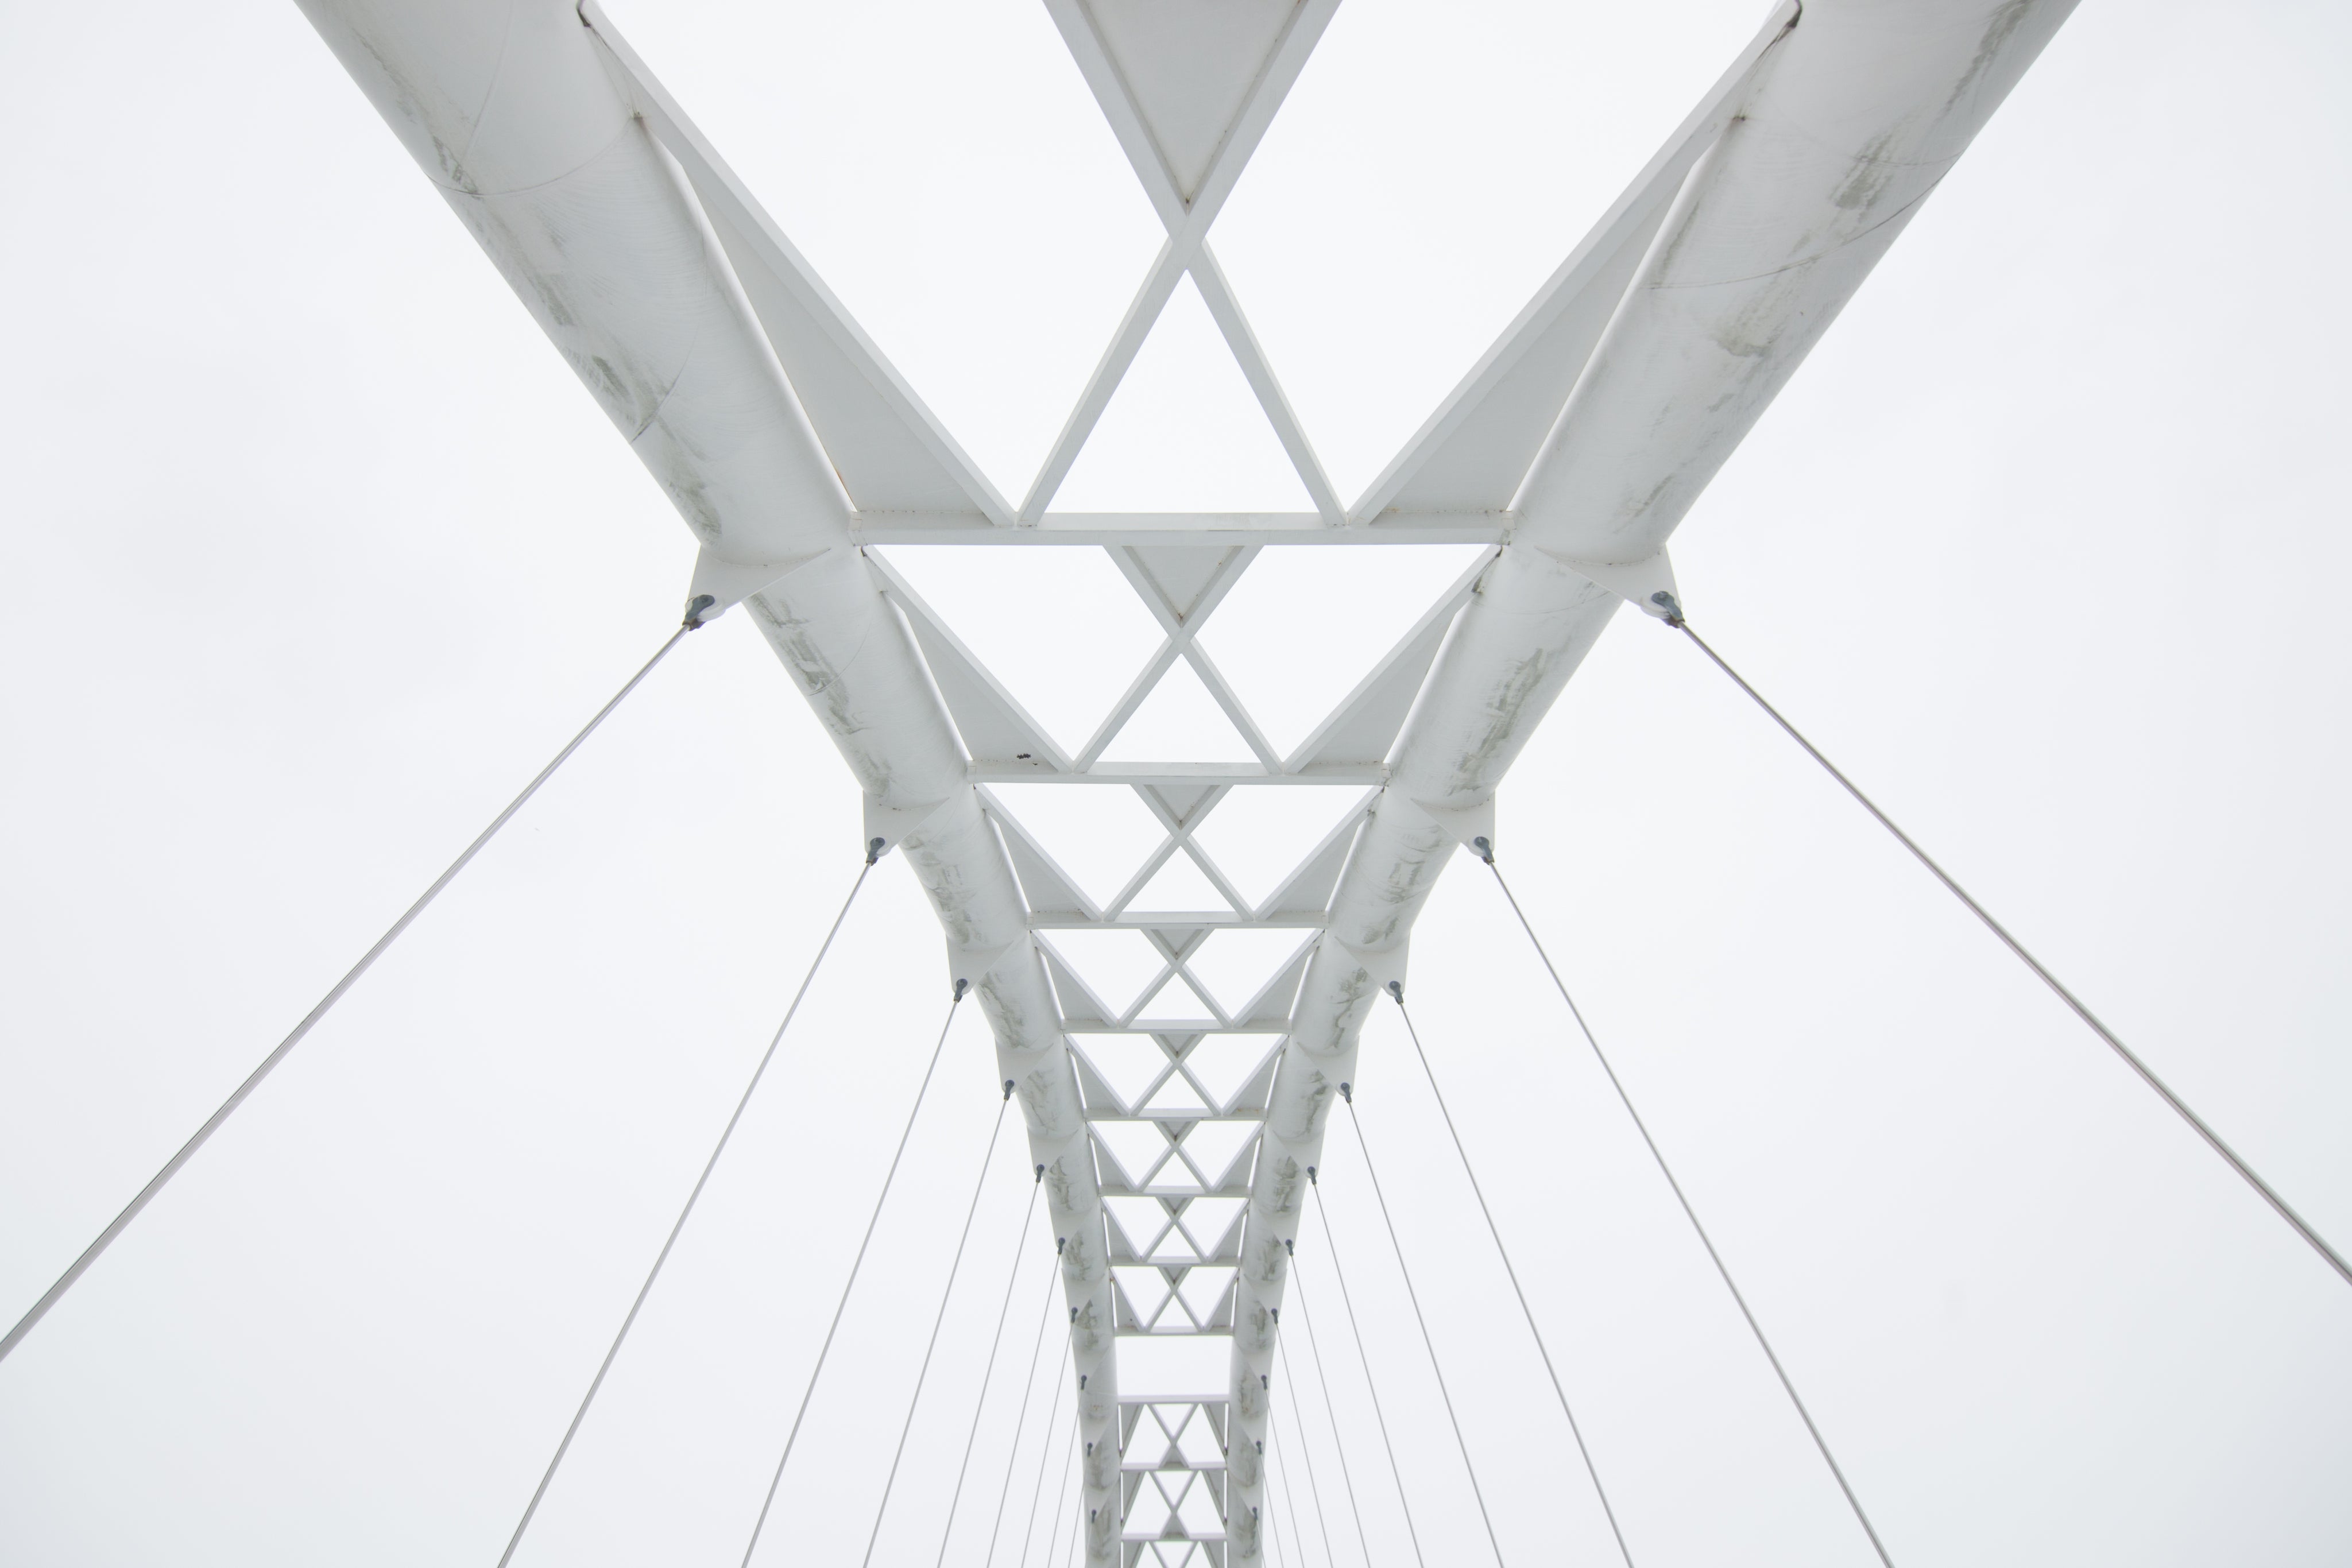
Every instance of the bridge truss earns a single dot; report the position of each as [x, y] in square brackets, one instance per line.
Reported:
[1174, 1115]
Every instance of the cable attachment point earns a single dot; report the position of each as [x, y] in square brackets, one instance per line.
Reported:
[874, 847]
[1008, 1094]
[1290, 1247]
[696, 608]
[1348, 1091]
[960, 987]
[1395, 989]
[1485, 851]
[1310, 1177]
[1671, 605]
[1041, 1173]
[1060, 1242]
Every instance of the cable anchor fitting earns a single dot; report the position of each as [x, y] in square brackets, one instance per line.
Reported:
[1671, 605]
[874, 847]
[1348, 1091]
[1395, 989]
[696, 608]
[1008, 1094]
[960, 987]
[1486, 850]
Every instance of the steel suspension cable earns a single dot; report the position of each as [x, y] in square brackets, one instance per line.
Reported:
[996, 1341]
[1046, 1449]
[1722, 1272]
[2090, 1020]
[1331, 1414]
[1314, 1488]
[1322, 1525]
[203, 1134]
[692, 1198]
[856, 1264]
[1348, 1095]
[1348, 1301]
[1075, 1474]
[1396, 991]
[1289, 1497]
[1021, 1425]
[923, 1372]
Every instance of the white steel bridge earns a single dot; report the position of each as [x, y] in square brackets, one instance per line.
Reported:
[1176, 1101]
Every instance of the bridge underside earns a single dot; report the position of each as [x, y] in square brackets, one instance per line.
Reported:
[1176, 1041]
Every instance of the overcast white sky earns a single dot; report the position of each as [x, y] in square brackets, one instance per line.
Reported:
[315, 551]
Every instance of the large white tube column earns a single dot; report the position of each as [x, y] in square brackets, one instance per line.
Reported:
[1853, 117]
[523, 122]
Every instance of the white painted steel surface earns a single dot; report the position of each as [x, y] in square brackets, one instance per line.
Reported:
[1572, 450]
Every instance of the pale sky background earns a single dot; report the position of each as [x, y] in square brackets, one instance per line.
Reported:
[315, 551]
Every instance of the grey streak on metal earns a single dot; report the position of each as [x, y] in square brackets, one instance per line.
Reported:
[203, 1134]
[1705, 1240]
[661, 1258]
[2148, 1075]
[851, 1283]
[1427, 1340]
[1574, 1428]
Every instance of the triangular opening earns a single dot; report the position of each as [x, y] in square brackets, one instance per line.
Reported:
[1020, 611]
[1307, 622]
[1180, 722]
[993, 336]
[1126, 1064]
[1142, 1222]
[1135, 1147]
[1214, 1145]
[1223, 1063]
[1208, 1221]
[1180, 886]
[1177, 1000]
[1259, 834]
[1178, 1097]
[1569, 100]
[1100, 837]
[1236, 964]
[1115, 964]
[1199, 1512]
[1183, 433]
[1198, 1443]
[1147, 1291]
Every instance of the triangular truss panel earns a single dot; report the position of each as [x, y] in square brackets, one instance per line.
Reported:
[1084, 793]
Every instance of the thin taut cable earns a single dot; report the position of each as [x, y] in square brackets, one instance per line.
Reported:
[1691, 1213]
[1077, 1477]
[1331, 1240]
[1314, 1486]
[1313, 1492]
[1021, 1423]
[91, 1253]
[1348, 1093]
[1396, 991]
[996, 1341]
[691, 1198]
[1290, 1500]
[1045, 1447]
[923, 1372]
[851, 1283]
[2148, 1075]
[1331, 1414]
